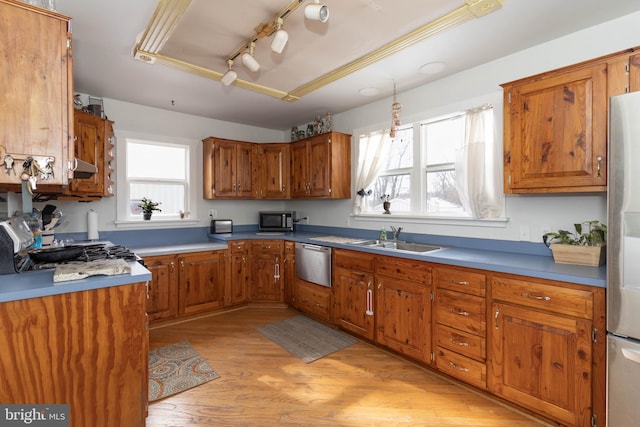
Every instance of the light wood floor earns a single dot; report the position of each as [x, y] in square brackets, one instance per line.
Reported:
[261, 384]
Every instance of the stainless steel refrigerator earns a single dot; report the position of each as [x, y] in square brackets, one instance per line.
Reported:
[623, 263]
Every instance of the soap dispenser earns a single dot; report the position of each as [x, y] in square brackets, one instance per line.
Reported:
[383, 234]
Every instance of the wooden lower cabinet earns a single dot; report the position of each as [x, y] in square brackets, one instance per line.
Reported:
[545, 352]
[162, 302]
[289, 272]
[201, 281]
[403, 306]
[237, 285]
[313, 299]
[87, 349]
[267, 280]
[354, 292]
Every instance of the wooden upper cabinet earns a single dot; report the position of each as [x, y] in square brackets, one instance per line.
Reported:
[321, 166]
[93, 143]
[36, 83]
[227, 169]
[634, 72]
[271, 174]
[555, 131]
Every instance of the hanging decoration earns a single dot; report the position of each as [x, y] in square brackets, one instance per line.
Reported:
[395, 113]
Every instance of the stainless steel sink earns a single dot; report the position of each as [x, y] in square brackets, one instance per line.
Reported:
[397, 246]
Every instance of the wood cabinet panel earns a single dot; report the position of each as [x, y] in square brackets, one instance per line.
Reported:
[202, 281]
[163, 287]
[354, 301]
[464, 312]
[96, 354]
[403, 269]
[463, 368]
[227, 169]
[267, 280]
[355, 260]
[36, 82]
[313, 299]
[543, 361]
[471, 345]
[271, 173]
[461, 280]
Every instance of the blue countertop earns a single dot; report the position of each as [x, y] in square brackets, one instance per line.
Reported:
[537, 266]
[39, 283]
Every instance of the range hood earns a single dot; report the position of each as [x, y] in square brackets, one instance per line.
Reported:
[83, 170]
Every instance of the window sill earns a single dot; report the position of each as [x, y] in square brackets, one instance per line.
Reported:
[156, 223]
[440, 220]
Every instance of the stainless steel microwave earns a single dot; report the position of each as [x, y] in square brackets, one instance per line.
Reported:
[276, 221]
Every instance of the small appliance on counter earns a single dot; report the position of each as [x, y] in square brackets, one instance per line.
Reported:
[221, 226]
[276, 220]
[15, 236]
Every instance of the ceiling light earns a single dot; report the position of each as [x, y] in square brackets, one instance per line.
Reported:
[230, 76]
[249, 61]
[316, 11]
[432, 68]
[279, 38]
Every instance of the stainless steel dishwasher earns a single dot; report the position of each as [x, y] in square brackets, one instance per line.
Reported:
[313, 263]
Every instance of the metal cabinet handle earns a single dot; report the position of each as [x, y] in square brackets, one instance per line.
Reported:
[460, 343]
[457, 282]
[369, 311]
[276, 272]
[541, 298]
[495, 318]
[599, 159]
[182, 264]
[459, 312]
[459, 368]
[172, 265]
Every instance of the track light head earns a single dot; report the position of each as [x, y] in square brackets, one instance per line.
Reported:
[316, 11]
[249, 61]
[230, 76]
[280, 38]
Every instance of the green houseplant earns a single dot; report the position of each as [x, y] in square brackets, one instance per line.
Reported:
[148, 206]
[586, 245]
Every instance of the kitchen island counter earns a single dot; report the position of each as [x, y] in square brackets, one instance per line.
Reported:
[33, 284]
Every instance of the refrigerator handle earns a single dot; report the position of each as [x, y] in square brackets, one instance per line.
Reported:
[632, 355]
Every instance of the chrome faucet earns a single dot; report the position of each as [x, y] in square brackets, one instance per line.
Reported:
[396, 232]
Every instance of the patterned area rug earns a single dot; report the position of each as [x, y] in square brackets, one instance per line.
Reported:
[175, 368]
[306, 339]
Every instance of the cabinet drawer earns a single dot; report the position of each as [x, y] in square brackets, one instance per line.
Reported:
[461, 342]
[466, 369]
[238, 246]
[558, 299]
[267, 246]
[314, 299]
[461, 280]
[403, 269]
[289, 248]
[360, 261]
[461, 311]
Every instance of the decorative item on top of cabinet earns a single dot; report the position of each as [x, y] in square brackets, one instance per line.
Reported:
[547, 350]
[94, 143]
[271, 175]
[37, 90]
[403, 306]
[555, 131]
[460, 324]
[227, 169]
[321, 166]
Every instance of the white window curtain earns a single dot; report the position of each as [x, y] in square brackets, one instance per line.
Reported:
[478, 166]
[372, 151]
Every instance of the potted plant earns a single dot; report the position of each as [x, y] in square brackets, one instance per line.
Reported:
[148, 206]
[584, 246]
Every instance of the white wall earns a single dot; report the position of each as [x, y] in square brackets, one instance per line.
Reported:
[538, 212]
[468, 87]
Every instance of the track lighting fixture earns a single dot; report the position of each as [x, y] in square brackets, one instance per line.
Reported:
[230, 76]
[249, 61]
[316, 11]
[280, 37]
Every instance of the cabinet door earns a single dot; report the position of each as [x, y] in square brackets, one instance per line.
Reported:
[543, 362]
[299, 169]
[556, 132]
[225, 169]
[36, 84]
[243, 170]
[163, 287]
[89, 146]
[634, 72]
[289, 272]
[319, 169]
[238, 285]
[275, 168]
[201, 281]
[266, 285]
[354, 301]
[403, 317]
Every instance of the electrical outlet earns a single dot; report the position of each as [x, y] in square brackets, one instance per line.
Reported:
[306, 221]
[525, 233]
[213, 213]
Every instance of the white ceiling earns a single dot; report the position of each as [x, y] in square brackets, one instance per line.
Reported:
[105, 34]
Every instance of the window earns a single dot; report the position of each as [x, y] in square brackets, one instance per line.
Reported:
[446, 166]
[160, 172]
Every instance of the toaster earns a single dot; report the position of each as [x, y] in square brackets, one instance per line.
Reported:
[220, 226]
